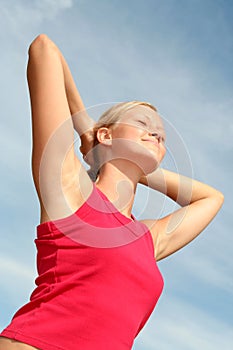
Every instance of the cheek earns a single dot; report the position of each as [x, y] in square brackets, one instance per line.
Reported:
[163, 152]
[127, 132]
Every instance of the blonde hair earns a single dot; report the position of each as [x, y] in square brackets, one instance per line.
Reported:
[108, 118]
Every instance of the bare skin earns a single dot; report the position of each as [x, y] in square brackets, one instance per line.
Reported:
[134, 148]
[9, 344]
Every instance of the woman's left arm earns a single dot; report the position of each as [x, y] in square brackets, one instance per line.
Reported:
[200, 203]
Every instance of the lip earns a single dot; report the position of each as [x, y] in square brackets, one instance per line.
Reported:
[151, 141]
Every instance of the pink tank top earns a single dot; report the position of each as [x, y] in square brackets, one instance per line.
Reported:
[97, 282]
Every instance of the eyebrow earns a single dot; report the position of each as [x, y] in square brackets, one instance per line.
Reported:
[143, 116]
[158, 127]
[149, 119]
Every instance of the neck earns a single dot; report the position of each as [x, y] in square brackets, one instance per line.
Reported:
[118, 181]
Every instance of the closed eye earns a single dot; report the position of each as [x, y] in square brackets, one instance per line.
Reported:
[142, 122]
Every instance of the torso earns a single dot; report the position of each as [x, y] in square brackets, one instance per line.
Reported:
[10, 344]
[106, 274]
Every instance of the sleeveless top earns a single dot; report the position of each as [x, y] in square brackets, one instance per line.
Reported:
[98, 281]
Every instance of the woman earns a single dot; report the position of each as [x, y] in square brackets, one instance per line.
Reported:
[98, 281]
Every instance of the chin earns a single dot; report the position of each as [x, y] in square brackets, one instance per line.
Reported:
[148, 164]
[145, 159]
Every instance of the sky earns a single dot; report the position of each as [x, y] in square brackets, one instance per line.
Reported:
[178, 56]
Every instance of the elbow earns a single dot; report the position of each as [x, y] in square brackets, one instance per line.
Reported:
[219, 198]
[41, 50]
[39, 44]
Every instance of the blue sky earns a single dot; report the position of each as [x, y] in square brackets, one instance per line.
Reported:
[175, 54]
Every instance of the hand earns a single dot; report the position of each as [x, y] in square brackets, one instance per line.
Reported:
[87, 140]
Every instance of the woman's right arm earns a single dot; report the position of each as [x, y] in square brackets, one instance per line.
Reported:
[54, 98]
[82, 122]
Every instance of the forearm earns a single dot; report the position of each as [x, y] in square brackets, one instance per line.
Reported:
[74, 99]
[179, 188]
[81, 120]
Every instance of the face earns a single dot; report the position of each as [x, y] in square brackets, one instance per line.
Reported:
[140, 137]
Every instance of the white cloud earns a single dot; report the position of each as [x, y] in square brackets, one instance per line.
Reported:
[12, 268]
[181, 326]
[211, 271]
[118, 57]
[17, 280]
[50, 8]
[21, 14]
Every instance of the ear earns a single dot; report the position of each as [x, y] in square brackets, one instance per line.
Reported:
[104, 136]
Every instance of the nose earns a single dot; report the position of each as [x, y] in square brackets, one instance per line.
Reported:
[156, 135]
